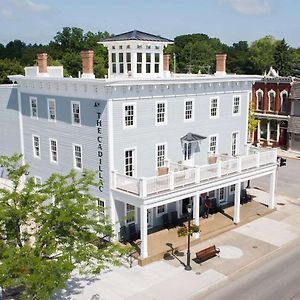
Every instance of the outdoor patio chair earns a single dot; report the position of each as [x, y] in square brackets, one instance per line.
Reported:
[174, 218]
[166, 222]
[132, 232]
[245, 197]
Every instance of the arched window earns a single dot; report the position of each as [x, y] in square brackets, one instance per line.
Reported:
[284, 101]
[271, 95]
[259, 99]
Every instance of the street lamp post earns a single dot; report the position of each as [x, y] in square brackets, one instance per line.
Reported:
[188, 254]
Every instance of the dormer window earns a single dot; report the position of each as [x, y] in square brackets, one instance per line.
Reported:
[156, 64]
[148, 62]
[139, 57]
[113, 62]
[128, 60]
[121, 64]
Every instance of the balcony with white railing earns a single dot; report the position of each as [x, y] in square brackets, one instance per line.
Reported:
[179, 175]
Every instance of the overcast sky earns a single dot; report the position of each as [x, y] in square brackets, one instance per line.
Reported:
[37, 21]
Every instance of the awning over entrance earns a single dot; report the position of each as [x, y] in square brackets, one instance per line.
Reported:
[192, 137]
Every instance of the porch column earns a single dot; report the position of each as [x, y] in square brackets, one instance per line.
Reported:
[278, 132]
[113, 218]
[237, 203]
[144, 231]
[196, 210]
[268, 132]
[272, 190]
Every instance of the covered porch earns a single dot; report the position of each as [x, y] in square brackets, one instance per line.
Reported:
[165, 243]
[195, 183]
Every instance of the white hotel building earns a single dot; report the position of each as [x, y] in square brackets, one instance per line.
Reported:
[157, 140]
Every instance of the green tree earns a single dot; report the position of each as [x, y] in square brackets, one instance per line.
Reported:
[283, 58]
[262, 54]
[47, 231]
[9, 67]
[252, 122]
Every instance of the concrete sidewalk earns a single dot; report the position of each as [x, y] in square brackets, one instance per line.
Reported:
[167, 279]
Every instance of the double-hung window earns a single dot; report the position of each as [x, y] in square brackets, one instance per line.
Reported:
[214, 108]
[33, 107]
[213, 144]
[53, 151]
[271, 100]
[121, 63]
[114, 62]
[259, 97]
[130, 213]
[160, 155]
[188, 110]
[77, 152]
[51, 110]
[234, 143]
[161, 209]
[139, 58]
[156, 63]
[101, 206]
[148, 62]
[129, 115]
[36, 146]
[76, 113]
[236, 105]
[161, 113]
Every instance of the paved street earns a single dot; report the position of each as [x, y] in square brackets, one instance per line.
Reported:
[278, 279]
[288, 180]
[246, 245]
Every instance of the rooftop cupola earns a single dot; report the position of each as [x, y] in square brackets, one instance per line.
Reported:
[136, 54]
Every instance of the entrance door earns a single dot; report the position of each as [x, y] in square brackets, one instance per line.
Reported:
[129, 163]
[188, 154]
[149, 217]
[184, 204]
[283, 137]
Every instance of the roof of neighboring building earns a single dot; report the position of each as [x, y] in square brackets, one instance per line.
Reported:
[295, 91]
[138, 36]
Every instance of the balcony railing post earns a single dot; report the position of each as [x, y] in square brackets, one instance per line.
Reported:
[197, 175]
[171, 180]
[143, 187]
[219, 169]
[257, 159]
[239, 164]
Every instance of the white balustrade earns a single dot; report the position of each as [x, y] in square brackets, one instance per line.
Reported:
[208, 172]
[180, 175]
[229, 166]
[127, 183]
[249, 161]
[185, 177]
[158, 184]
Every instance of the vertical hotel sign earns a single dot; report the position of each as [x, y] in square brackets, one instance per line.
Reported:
[99, 151]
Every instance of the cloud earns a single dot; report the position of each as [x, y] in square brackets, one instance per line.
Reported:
[30, 6]
[7, 14]
[250, 7]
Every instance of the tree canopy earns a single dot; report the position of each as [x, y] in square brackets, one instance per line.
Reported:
[194, 53]
[49, 230]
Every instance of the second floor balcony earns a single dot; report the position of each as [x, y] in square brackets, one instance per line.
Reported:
[176, 176]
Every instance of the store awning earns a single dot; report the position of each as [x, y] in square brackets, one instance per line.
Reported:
[192, 137]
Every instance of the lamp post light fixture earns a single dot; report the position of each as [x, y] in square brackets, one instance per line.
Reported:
[188, 254]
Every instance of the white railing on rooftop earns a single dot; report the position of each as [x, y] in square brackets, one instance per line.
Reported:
[180, 175]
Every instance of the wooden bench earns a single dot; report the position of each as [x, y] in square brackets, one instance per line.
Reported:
[207, 253]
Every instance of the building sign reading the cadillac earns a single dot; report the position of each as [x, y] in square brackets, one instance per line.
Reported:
[99, 151]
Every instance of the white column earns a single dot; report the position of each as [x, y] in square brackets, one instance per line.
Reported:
[178, 208]
[272, 203]
[278, 132]
[144, 231]
[268, 132]
[258, 132]
[196, 212]
[237, 203]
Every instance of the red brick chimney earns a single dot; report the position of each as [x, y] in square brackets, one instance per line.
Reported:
[166, 62]
[42, 63]
[221, 64]
[87, 57]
